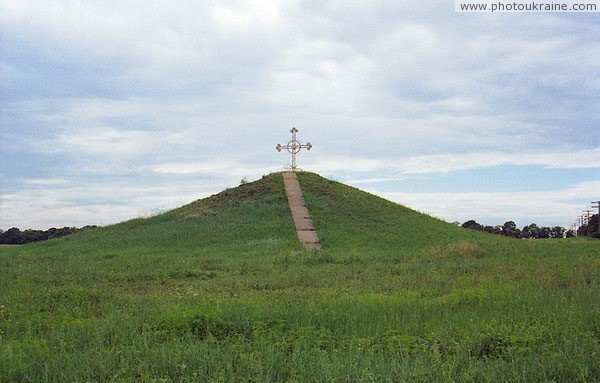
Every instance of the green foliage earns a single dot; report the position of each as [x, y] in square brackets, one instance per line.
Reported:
[15, 236]
[509, 229]
[220, 290]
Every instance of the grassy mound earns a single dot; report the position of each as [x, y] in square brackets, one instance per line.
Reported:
[220, 290]
[251, 218]
[348, 219]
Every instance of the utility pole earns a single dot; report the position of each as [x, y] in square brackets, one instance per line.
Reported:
[596, 204]
[587, 221]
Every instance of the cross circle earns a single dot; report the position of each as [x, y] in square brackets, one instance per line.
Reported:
[294, 146]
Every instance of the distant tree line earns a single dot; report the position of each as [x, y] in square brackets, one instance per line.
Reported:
[15, 236]
[510, 229]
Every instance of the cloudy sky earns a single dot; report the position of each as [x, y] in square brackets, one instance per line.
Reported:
[112, 110]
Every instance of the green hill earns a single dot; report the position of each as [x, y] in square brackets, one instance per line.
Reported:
[220, 290]
[255, 218]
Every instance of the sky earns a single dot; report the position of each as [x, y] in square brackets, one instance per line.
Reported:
[112, 110]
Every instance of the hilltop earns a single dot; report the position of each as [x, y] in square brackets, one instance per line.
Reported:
[221, 290]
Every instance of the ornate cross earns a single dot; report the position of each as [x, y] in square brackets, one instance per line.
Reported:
[293, 147]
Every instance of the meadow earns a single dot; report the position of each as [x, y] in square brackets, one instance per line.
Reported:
[220, 291]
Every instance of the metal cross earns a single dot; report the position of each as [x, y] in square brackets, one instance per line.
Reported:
[293, 147]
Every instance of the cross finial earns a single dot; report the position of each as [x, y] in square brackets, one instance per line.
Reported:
[293, 147]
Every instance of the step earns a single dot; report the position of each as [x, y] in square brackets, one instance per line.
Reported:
[305, 229]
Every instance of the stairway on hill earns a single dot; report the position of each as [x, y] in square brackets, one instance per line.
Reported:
[305, 229]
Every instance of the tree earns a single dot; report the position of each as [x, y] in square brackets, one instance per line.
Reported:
[34, 235]
[510, 229]
[473, 225]
[12, 236]
[530, 231]
[557, 232]
[544, 232]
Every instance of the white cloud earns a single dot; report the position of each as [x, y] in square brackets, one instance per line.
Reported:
[455, 161]
[327, 164]
[46, 182]
[106, 141]
[320, 75]
[452, 162]
[41, 204]
[240, 15]
[104, 30]
[548, 208]
[384, 90]
[192, 168]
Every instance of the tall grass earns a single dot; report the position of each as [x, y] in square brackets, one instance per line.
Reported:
[219, 290]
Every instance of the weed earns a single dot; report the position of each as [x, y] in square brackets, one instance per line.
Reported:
[453, 251]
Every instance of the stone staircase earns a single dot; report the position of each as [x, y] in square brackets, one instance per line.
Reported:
[304, 225]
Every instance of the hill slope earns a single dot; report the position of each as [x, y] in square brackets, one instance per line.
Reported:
[349, 219]
[220, 290]
[255, 218]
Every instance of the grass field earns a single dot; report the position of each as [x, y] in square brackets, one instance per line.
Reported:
[219, 290]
